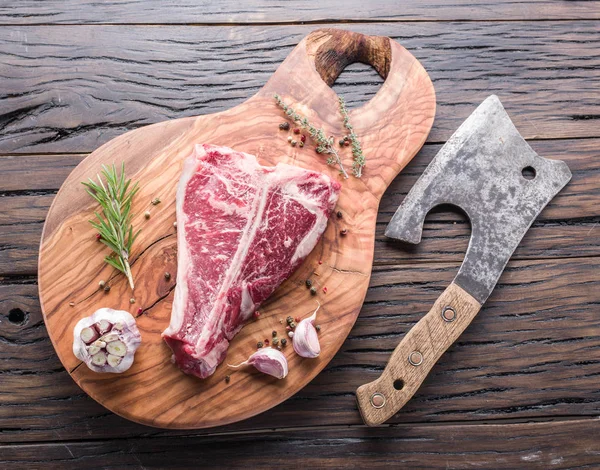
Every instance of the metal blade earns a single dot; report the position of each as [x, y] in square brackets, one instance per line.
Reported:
[479, 170]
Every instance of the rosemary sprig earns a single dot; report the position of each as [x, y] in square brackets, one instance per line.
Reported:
[325, 144]
[359, 158]
[114, 225]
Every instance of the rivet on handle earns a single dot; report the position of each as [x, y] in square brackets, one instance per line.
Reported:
[448, 314]
[377, 400]
[415, 358]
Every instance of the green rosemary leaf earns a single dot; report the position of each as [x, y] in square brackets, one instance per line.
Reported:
[114, 223]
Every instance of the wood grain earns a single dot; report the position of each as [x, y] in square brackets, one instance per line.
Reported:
[71, 89]
[559, 445]
[401, 115]
[532, 352]
[26, 12]
[415, 356]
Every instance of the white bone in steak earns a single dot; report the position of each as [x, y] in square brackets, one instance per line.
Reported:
[242, 229]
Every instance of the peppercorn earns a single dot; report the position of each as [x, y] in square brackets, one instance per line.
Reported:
[342, 142]
[71, 304]
[155, 201]
[302, 138]
[296, 130]
[339, 214]
[101, 284]
[344, 232]
[275, 341]
[274, 334]
[147, 215]
[297, 319]
[132, 300]
[227, 379]
[266, 341]
[98, 237]
[283, 341]
[284, 126]
[347, 143]
[289, 320]
[313, 291]
[291, 334]
[320, 261]
[346, 138]
[290, 138]
[279, 347]
[293, 325]
[259, 345]
[293, 142]
[175, 225]
[167, 276]
[106, 288]
[140, 310]
[308, 283]
[256, 314]
[301, 144]
[324, 290]
[318, 327]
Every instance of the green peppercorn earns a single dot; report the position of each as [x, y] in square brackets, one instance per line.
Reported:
[289, 320]
[283, 341]
[313, 290]
[275, 341]
[293, 325]
[259, 345]
[293, 142]
[132, 300]
[308, 283]
[301, 144]
[274, 334]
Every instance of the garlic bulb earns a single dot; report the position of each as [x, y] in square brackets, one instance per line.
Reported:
[306, 339]
[107, 340]
[268, 361]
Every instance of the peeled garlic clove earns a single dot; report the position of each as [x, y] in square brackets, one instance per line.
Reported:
[268, 361]
[99, 359]
[306, 339]
[117, 348]
[88, 335]
[111, 350]
[114, 361]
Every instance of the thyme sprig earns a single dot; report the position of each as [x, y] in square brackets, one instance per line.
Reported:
[357, 153]
[114, 225]
[325, 144]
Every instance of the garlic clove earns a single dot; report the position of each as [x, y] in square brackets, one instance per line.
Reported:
[109, 338]
[268, 361]
[93, 349]
[306, 339]
[113, 360]
[88, 335]
[99, 359]
[103, 326]
[117, 348]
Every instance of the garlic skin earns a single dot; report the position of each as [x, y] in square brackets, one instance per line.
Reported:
[107, 340]
[268, 361]
[306, 339]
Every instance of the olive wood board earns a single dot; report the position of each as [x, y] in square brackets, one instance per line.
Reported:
[392, 127]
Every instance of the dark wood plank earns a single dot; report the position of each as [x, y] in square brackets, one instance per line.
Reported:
[228, 11]
[565, 229]
[70, 89]
[533, 351]
[557, 445]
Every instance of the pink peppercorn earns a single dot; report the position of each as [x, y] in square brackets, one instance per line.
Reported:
[256, 314]
[324, 290]
[98, 236]
[296, 130]
[140, 310]
[303, 138]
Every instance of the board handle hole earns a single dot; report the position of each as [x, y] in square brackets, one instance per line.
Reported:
[398, 384]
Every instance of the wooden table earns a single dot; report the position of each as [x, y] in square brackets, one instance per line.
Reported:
[521, 387]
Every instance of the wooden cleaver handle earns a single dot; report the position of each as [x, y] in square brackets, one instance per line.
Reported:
[416, 354]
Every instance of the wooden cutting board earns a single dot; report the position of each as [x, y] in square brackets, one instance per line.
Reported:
[392, 127]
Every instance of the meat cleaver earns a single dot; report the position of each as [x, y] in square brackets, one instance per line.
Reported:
[490, 172]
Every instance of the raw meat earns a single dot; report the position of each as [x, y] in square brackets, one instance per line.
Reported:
[242, 229]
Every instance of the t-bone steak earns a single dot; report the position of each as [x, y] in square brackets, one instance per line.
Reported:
[242, 229]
